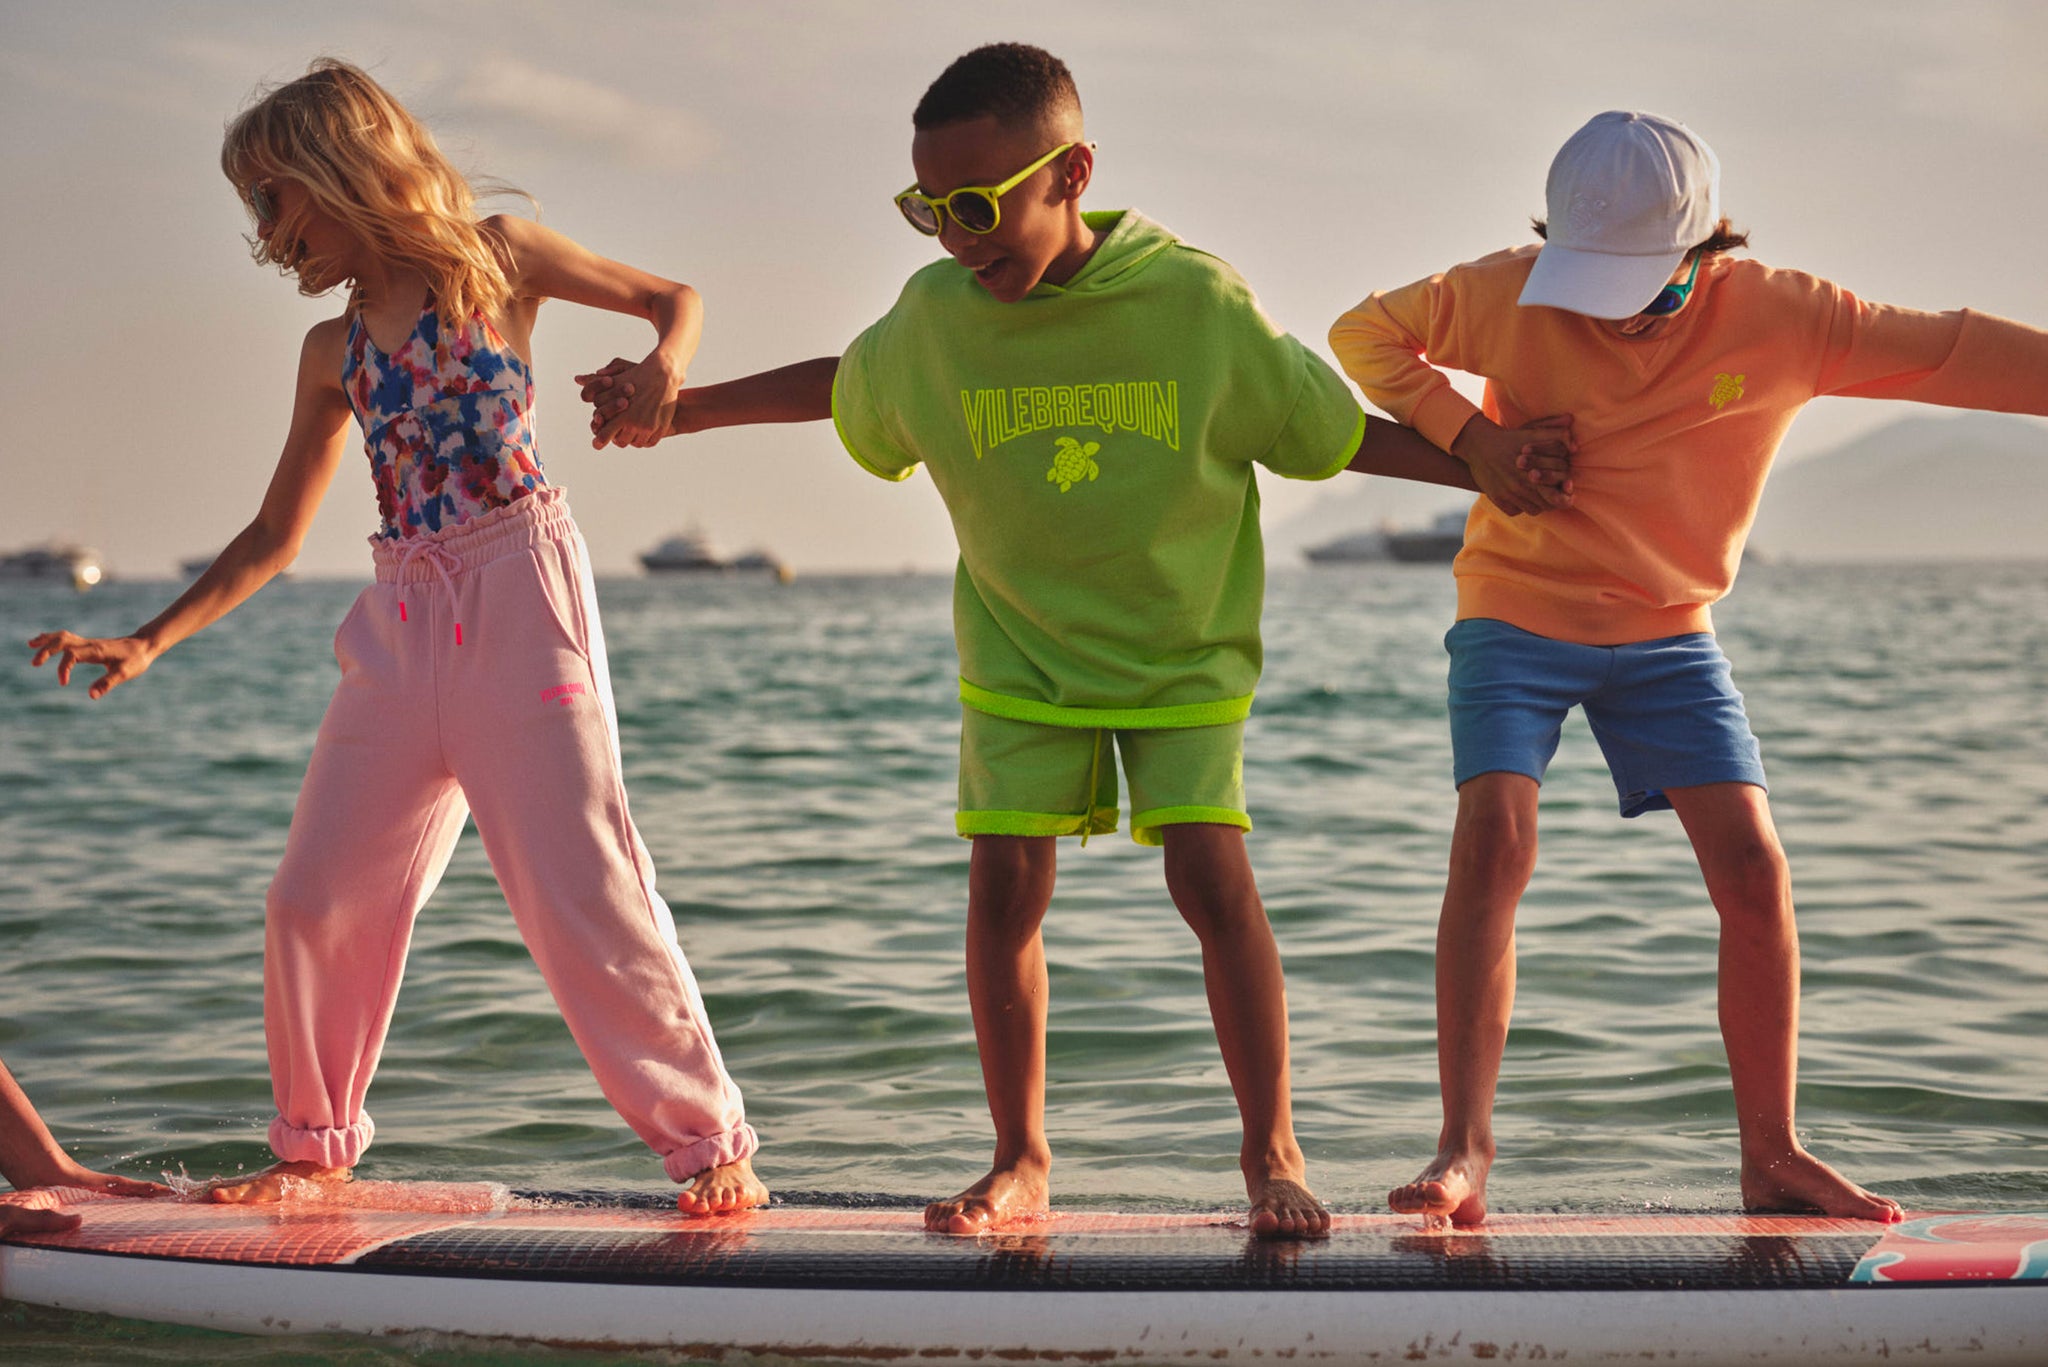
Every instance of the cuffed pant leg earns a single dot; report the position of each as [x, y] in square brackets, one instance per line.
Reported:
[371, 833]
[541, 768]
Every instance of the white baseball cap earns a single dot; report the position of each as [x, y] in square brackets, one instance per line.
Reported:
[1628, 196]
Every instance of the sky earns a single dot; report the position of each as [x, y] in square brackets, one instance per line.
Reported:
[751, 149]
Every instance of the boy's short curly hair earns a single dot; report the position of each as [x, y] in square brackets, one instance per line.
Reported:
[1015, 82]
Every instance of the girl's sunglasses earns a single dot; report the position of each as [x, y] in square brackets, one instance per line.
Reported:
[262, 205]
[976, 208]
[1672, 298]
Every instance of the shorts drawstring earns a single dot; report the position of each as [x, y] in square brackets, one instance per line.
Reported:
[441, 558]
[1088, 802]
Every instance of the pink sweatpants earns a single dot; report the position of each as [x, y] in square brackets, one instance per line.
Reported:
[515, 723]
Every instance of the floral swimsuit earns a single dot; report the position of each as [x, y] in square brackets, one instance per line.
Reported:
[447, 422]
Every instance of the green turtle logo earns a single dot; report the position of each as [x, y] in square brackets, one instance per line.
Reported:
[1072, 463]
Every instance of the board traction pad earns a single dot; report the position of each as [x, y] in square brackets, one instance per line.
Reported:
[472, 1230]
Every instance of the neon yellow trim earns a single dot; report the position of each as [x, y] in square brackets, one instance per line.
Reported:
[1145, 825]
[970, 824]
[893, 476]
[1219, 713]
[1350, 452]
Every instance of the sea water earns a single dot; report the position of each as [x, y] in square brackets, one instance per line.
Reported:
[790, 756]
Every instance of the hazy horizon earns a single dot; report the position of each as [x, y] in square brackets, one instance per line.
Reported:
[1324, 149]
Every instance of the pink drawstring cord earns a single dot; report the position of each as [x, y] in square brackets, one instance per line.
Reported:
[441, 559]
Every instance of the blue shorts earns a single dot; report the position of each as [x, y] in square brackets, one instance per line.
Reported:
[1665, 712]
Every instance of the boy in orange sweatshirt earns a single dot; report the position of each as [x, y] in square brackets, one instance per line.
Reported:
[1681, 367]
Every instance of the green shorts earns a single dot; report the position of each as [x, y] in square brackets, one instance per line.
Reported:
[1021, 778]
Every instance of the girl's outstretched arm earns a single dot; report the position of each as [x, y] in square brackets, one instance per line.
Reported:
[543, 264]
[312, 451]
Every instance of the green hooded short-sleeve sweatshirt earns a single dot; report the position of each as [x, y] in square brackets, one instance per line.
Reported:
[1094, 444]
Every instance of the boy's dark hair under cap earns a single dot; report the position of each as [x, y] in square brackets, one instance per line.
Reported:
[1016, 82]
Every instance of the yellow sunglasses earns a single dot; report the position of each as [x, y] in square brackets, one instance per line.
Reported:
[976, 208]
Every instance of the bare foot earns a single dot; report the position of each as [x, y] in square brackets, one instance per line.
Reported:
[1008, 1195]
[1452, 1188]
[275, 1183]
[723, 1190]
[1799, 1182]
[1283, 1208]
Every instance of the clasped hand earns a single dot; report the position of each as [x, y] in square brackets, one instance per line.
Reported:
[1524, 469]
[633, 402]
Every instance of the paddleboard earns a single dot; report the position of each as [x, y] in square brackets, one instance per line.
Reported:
[861, 1280]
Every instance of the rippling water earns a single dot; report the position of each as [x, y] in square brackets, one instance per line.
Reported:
[790, 754]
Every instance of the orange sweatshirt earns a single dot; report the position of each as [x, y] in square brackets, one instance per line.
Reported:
[1675, 433]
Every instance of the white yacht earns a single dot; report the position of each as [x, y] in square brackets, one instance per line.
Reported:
[56, 561]
[689, 550]
[1349, 549]
[692, 550]
[1440, 541]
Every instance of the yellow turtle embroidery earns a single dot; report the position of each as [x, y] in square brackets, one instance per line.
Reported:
[1072, 463]
[1727, 389]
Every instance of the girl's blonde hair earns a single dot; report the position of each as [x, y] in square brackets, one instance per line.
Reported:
[373, 167]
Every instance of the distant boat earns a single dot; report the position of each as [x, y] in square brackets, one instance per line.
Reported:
[1351, 549]
[684, 551]
[75, 565]
[692, 551]
[1439, 542]
[765, 560]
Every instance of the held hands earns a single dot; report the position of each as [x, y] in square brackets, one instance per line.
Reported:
[791, 393]
[1522, 469]
[125, 657]
[633, 403]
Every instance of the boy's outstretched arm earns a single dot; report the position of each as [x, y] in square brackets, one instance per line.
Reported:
[792, 393]
[1540, 453]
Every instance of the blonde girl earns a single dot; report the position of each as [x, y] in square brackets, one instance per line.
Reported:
[473, 675]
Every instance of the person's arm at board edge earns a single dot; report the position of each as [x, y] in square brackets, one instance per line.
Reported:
[30, 1158]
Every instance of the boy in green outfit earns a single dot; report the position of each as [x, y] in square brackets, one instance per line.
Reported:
[1090, 394]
